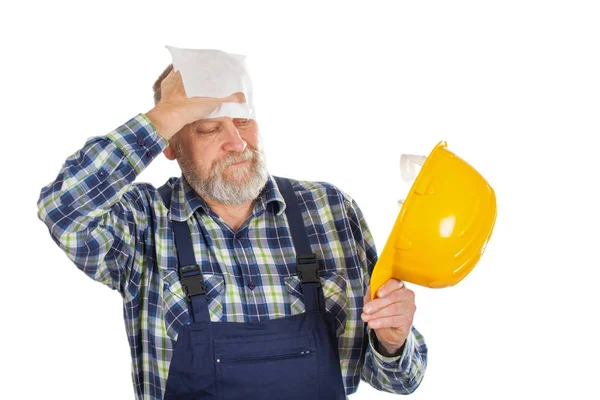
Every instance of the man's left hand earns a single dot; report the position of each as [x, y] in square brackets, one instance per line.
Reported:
[390, 314]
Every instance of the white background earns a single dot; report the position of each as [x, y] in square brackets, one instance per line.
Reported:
[342, 89]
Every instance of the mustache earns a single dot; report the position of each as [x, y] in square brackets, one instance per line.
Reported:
[234, 158]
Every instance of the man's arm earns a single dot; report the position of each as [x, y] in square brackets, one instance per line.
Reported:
[399, 373]
[91, 209]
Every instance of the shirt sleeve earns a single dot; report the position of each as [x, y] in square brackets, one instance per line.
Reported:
[92, 209]
[400, 374]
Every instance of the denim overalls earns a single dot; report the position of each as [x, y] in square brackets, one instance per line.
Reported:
[290, 358]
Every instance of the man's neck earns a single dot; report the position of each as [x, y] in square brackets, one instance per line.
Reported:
[234, 216]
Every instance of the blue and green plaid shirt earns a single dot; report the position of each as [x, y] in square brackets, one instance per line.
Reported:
[118, 233]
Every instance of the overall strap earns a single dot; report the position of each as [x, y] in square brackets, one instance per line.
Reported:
[306, 261]
[190, 273]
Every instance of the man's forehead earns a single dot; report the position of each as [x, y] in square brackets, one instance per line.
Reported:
[217, 119]
[220, 119]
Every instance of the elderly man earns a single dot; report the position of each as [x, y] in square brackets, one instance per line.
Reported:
[235, 284]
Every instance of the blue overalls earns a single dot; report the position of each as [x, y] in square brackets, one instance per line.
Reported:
[290, 358]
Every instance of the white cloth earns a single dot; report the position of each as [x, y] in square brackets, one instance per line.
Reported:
[215, 73]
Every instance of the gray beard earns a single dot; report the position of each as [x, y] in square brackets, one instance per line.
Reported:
[228, 186]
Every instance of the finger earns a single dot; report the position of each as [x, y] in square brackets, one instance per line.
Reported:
[402, 322]
[172, 75]
[238, 97]
[397, 296]
[395, 309]
[390, 286]
[367, 297]
[208, 103]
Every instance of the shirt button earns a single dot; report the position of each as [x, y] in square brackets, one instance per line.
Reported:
[141, 142]
[149, 154]
[251, 285]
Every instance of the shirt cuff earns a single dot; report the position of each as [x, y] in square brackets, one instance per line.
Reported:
[154, 127]
[397, 364]
[139, 141]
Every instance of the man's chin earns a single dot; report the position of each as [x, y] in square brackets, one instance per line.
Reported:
[238, 173]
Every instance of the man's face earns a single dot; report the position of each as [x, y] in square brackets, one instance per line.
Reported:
[222, 159]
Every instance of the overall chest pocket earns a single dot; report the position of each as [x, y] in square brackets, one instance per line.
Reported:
[275, 366]
[176, 308]
[333, 284]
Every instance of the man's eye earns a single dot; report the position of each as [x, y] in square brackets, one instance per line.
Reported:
[206, 131]
[242, 121]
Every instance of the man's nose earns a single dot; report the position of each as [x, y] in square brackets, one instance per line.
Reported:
[233, 139]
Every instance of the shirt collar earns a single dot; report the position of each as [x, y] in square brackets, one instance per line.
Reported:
[185, 201]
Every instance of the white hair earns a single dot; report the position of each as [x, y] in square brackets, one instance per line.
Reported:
[214, 185]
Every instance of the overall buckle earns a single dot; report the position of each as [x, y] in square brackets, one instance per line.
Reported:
[192, 281]
[308, 269]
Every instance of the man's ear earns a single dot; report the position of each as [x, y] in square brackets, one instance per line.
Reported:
[170, 152]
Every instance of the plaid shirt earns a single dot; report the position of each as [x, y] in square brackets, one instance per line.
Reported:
[119, 233]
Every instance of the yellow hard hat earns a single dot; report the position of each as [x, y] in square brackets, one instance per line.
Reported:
[443, 226]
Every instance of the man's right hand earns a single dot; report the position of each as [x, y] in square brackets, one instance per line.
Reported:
[175, 110]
